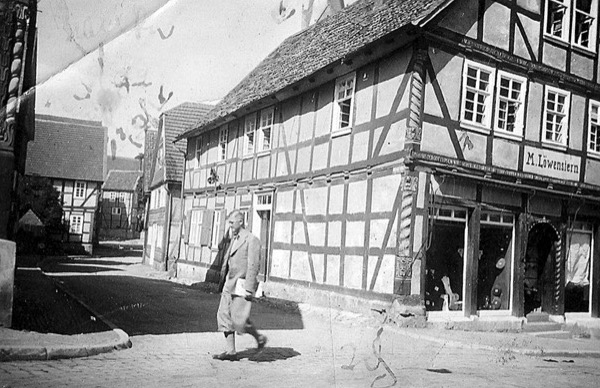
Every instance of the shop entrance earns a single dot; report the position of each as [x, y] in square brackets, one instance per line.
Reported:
[539, 258]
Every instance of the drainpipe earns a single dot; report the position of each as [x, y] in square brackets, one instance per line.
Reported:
[169, 206]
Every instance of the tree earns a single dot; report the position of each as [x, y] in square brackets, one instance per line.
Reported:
[38, 194]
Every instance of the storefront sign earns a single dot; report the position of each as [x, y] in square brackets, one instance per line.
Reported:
[551, 163]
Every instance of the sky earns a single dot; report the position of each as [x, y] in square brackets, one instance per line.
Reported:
[124, 62]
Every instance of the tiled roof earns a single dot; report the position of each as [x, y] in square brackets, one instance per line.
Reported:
[118, 180]
[67, 148]
[320, 45]
[122, 163]
[176, 120]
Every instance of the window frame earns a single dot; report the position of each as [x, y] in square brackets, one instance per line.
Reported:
[216, 224]
[593, 14]
[198, 151]
[223, 140]
[250, 129]
[565, 122]
[77, 189]
[589, 148]
[78, 223]
[486, 125]
[566, 20]
[260, 139]
[519, 125]
[116, 211]
[196, 219]
[337, 129]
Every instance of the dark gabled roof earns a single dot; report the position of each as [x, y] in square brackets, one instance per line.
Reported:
[67, 148]
[320, 45]
[176, 120]
[118, 180]
[122, 163]
[30, 218]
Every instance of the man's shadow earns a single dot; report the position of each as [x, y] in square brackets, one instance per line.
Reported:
[267, 354]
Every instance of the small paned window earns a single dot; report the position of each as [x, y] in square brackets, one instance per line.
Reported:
[76, 224]
[556, 116]
[510, 103]
[113, 195]
[344, 102]
[594, 127]
[79, 189]
[249, 134]
[116, 211]
[478, 84]
[265, 129]
[223, 142]
[573, 21]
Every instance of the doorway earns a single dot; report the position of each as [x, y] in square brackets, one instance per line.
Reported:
[539, 258]
[261, 227]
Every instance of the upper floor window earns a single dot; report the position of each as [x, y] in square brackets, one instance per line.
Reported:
[79, 189]
[510, 103]
[344, 103]
[594, 127]
[116, 210]
[573, 21]
[113, 195]
[198, 153]
[249, 134]
[223, 142]
[556, 116]
[478, 86]
[264, 130]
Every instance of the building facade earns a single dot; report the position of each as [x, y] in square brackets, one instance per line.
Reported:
[443, 154]
[71, 152]
[118, 216]
[163, 221]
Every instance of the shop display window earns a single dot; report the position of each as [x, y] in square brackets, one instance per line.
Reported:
[445, 261]
[577, 270]
[495, 261]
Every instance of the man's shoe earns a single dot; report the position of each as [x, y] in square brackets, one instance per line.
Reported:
[261, 341]
[226, 356]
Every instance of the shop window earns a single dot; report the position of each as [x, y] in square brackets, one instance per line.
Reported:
[577, 271]
[495, 261]
[445, 261]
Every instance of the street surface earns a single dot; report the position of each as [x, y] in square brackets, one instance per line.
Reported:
[173, 331]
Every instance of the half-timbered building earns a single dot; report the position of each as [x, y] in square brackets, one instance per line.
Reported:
[118, 216]
[165, 171]
[71, 152]
[444, 154]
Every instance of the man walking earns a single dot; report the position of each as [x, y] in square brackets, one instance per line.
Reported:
[240, 269]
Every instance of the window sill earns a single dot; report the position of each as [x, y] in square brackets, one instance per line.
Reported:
[341, 132]
[248, 156]
[558, 41]
[594, 154]
[263, 152]
[555, 146]
[507, 135]
[590, 52]
[475, 127]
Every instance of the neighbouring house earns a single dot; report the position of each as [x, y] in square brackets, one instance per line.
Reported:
[163, 184]
[118, 216]
[71, 152]
[440, 155]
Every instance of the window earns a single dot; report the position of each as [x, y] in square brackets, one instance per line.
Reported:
[113, 196]
[215, 229]
[578, 275]
[116, 211]
[584, 23]
[556, 116]
[79, 189]
[195, 227]
[572, 21]
[510, 103]
[344, 103]
[264, 131]
[478, 84]
[249, 134]
[223, 143]
[557, 18]
[76, 224]
[198, 153]
[594, 127]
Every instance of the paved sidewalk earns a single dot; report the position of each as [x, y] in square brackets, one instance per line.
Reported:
[21, 345]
